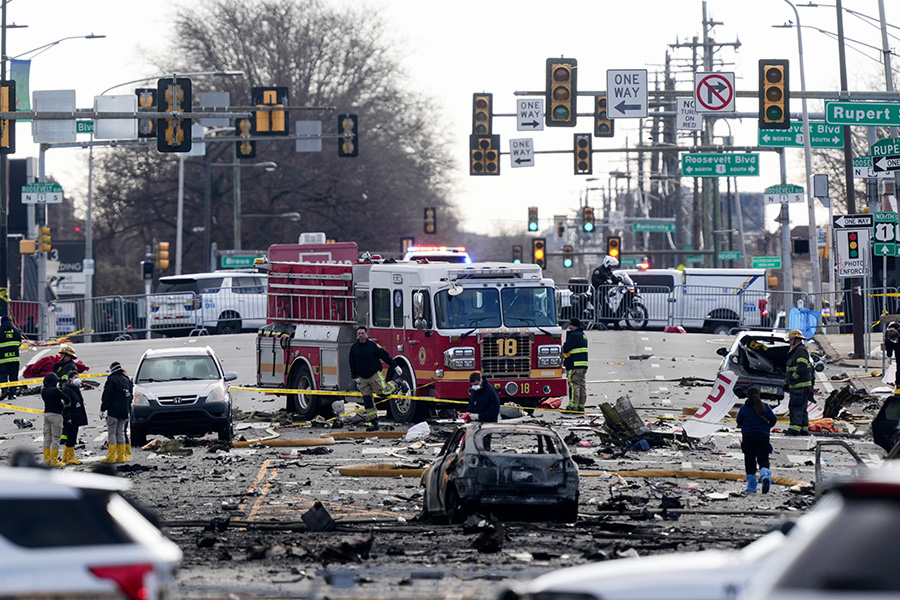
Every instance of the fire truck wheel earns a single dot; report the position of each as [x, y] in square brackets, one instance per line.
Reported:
[405, 410]
[304, 405]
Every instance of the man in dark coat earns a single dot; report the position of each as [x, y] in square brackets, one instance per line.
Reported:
[116, 403]
[74, 416]
[366, 357]
[10, 340]
[484, 401]
[575, 360]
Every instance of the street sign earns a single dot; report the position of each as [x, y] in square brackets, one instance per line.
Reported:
[852, 249]
[766, 262]
[783, 194]
[879, 249]
[862, 113]
[521, 153]
[626, 92]
[237, 262]
[886, 163]
[84, 127]
[862, 169]
[686, 116]
[653, 227]
[729, 255]
[628, 261]
[859, 221]
[714, 92]
[530, 114]
[311, 130]
[42, 193]
[886, 235]
[823, 136]
[699, 164]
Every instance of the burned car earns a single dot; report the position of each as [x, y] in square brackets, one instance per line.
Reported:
[514, 471]
[759, 358]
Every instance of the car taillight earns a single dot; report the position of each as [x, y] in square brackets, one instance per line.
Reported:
[763, 307]
[129, 578]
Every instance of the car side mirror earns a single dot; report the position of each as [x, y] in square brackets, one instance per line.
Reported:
[722, 351]
[230, 376]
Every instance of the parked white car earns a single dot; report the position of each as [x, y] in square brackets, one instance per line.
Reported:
[72, 535]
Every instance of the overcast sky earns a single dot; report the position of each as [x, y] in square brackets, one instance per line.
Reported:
[454, 49]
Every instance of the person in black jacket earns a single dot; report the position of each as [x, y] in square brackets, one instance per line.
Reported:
[116, 403]
[756, 420]
[575, 360]
[53, 419]
[366, 357]
[74, 416]
[892, 349]
[484, 401]
[10, 340]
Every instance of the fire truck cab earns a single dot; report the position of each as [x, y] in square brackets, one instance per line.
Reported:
[440, 322]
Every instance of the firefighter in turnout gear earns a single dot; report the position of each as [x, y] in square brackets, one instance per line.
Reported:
[799, 383]
[366, 357]
[10, 340]
[575, 360]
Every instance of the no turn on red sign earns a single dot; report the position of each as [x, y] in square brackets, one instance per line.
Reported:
[714, 92]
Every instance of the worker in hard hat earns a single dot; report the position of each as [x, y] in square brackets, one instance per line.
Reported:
[799, 383]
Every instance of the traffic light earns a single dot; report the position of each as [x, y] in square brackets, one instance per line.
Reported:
[774, 94]
[517, 254]
[430, 219]
[568, 258]
[532, 218]
[348, 128]
[603, 125]
[588, 218]
[484, 153]
[482, 114]
[538, 256]
[561, 92]
[273, 120]
[162, 255]
[246, 148]
[612, 246]
[8, 126]
[173, 134]
[583, 150]
[146, 269]
[560, 228]
[147, 102]
[405, 243]
[44, 242]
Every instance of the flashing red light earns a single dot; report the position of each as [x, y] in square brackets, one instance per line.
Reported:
[643, 266]
[764, 307]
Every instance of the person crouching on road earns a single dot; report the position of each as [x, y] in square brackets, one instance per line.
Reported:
[484, 402]
[366, 357]
[799, 383]
[53, 419]
[575, 360]
[756, 419]
[115, 403]
[74, 416]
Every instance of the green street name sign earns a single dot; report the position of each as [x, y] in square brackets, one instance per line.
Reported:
[628, 261]
[237, 262]
[862, 113]
[84, 127]
[885, 249]
[729, 255]
[766, 262]
[823, 136]
[699, 164]
[653, 227]
[784, 193]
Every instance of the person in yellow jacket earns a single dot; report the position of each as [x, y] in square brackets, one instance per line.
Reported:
[799, 383]
[575, 360]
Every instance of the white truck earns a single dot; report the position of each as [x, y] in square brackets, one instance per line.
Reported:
[710, 300]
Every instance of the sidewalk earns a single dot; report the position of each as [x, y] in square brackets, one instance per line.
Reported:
[838, 349]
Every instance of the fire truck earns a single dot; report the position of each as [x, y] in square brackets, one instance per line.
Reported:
[439, 321]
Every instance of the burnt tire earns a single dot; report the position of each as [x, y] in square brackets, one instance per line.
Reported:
[457, 510]
[304, 405]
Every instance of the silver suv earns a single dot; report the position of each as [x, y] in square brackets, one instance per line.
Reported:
[219, 302]
[181, 391]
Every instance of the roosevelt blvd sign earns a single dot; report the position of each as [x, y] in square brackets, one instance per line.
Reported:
[699, 164]
[823, 136]
[783, 194]
[42, 193]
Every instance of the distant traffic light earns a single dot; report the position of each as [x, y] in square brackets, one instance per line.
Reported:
[405, 243]
[532, 218]
[612, 246]
[147, 269]
[583, 149]
[603, 125]
[517, 254]
[774, 94]
[482, 114]
[430, 220]
[173, 134]
[484, 155]
[587, 216]
[44, 241]
[7, 126]
[246, 148]
[162, 255]
[273, 119]
[146, 102]
[538, 247]
[568, 258]
[560, 228]
[561, 92]
[348, 127]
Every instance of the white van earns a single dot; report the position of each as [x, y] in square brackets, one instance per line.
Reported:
[710, 300]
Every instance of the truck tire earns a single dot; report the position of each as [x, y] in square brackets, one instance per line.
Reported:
[720, 328]
[304, 405]
[404, 410]
[225, 432]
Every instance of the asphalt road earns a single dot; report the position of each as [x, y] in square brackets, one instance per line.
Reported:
[236, 513]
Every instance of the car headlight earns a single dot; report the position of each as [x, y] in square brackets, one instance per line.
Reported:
[216, 395]
[141, 399]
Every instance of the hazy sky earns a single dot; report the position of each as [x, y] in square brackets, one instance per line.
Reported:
[454, 49]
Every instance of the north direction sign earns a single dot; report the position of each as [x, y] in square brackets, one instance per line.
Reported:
[699, 164]
[862, 113]
[823, 136]
[862, 168]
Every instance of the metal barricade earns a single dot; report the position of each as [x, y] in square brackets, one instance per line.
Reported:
[28, 316]
[177, 312]
[719, 309]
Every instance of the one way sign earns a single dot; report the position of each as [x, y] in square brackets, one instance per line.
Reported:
[859, 221]
[521, 153]
[886, 163]
[530, 114]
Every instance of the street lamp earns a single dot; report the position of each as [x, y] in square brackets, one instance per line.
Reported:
[45, 47]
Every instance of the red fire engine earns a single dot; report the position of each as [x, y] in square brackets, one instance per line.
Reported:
[440, 321]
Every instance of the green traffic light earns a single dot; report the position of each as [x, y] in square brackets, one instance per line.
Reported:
[774, 113]
[532, 226]
[589, 227]
[567, 263]
[561, 113]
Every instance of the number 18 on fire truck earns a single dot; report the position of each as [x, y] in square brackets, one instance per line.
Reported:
[439, 321]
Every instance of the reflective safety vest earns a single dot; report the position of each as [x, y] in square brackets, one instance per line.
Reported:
[10, 340]
[575, 350]
[799, 369]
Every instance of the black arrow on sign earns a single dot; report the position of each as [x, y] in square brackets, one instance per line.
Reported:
[719, 87]
[531, 124]
[622, 107]
[523, 160]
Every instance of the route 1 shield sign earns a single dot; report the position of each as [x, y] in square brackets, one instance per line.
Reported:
[714, 92]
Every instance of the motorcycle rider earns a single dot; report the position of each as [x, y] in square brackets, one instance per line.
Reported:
[601, 278]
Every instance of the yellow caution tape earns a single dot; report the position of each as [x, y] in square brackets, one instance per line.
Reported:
[21, 408]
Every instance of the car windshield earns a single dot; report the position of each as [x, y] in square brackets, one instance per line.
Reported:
[187, 284]
[177, 368]
[471, 308]
[514, 442]
[523, 306]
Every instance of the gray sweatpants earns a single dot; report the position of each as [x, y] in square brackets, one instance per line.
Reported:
[115, 429]
[53, 423]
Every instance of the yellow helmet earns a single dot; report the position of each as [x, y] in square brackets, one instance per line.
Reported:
[67, 349]
[795, 333]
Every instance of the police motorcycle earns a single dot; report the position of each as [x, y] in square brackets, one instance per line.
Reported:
[617, 301]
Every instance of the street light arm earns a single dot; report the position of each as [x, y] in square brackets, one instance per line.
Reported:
[197, 74]
[45, 47]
